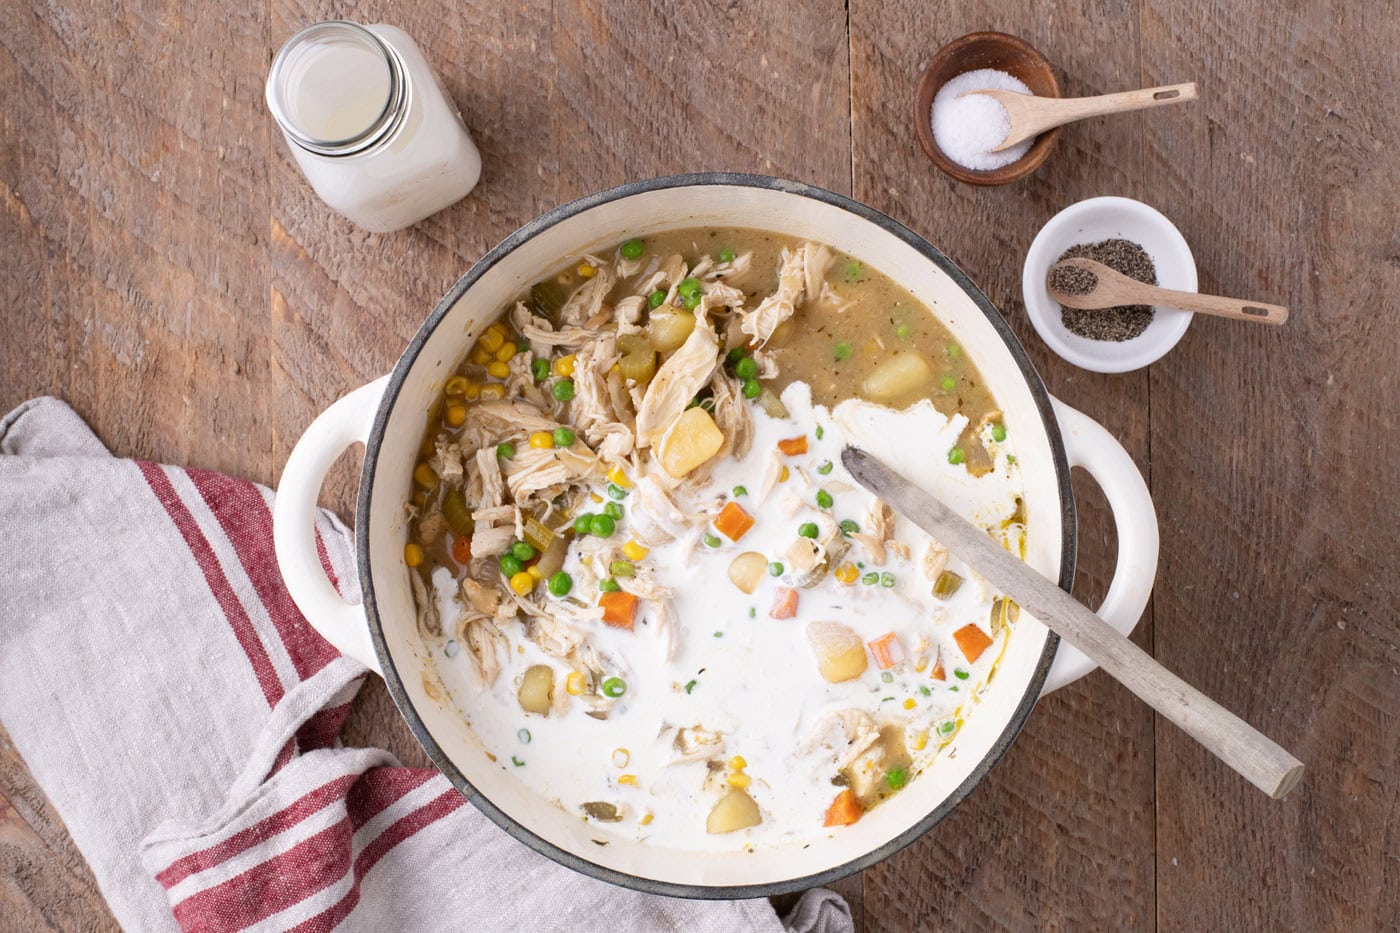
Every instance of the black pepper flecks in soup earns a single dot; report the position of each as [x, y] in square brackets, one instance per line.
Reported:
[673, 410]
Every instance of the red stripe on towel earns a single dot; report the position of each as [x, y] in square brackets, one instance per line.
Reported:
[261, 831]
[208, 562]
[322, 729]
[243, 515]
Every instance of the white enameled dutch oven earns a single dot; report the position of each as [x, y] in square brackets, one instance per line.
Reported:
[388, 417]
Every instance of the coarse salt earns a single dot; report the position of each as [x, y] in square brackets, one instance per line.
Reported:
[968, 128]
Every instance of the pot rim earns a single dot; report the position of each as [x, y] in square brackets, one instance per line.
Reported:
[394, 681]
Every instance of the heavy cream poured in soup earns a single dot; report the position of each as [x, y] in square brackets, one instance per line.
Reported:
[648, 583]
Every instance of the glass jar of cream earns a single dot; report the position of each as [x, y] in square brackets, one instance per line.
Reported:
[370, 125]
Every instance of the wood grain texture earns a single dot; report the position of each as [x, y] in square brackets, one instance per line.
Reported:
[167, 270]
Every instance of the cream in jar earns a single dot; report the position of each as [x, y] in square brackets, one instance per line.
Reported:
[370, 125]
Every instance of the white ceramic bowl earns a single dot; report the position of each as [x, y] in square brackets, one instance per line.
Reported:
[389, 416]
[1104, 219]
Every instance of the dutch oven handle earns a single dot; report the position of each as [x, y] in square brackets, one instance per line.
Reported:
[346, 422]
[1089, 445]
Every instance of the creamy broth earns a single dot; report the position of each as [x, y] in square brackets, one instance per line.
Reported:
[693, 628]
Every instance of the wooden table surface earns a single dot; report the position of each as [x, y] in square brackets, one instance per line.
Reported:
[165, 269]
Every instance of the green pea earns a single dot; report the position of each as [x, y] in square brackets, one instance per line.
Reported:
[560, 584]
[925, 691]
[604, 525]
[824, 499]
[632, 249]
[961, 674]
[901, 330]
[849, 527]
[726, 255]
[843, 351]
[896, 778]
[775, 569]
[887, 579]
[998, 432]
[740, 491]
[953, 350]
[539, 368]
[691, 686]
[613, 510]
[746, 368]
[807, 529]
[511, 565]
[825, 468]
[956, 456]
[583, 524]
[563, 437]
[752, 389]
[853, 270]
[563, 390]
[688, 287]
[616, 492]
[608, 585]
[870, 579]
[820, 432]
[656, 299]
[948, 383]
[948, 727]
[614, 687]
[735, 355]
[887, 678]
[524, 736]
[710, 540]
[622, 568]
[691, 302]
[523, 551]
[505, 451]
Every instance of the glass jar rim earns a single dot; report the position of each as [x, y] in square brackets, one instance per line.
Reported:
[384, 123]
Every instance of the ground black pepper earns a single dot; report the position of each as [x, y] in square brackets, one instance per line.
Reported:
[1122, 322]
[1072, 280]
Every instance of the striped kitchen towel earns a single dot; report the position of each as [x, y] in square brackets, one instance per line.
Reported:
[183, 719]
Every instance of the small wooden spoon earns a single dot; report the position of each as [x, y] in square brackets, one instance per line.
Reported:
[1114, 288]
[1251, 753]
[1031, 115]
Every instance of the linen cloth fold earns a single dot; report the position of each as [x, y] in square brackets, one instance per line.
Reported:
[183, 718]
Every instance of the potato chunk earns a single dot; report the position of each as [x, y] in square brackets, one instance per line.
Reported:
[839, 650]
[537, 690]
[691, 440]
[735, 810]
[898, 377]
[747, 569]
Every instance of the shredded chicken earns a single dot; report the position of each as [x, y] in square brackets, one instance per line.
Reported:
[845, 733]
[495, 530]
[874, 537]
[540, 333]
[483, 641]
[655, 518]
[585, 305]
[484, 599]
[539, 474]
[677, 382]
[696, 743]
[593, 408]
[447, 460]
[487, 476]
[800, 275]
[429, 622]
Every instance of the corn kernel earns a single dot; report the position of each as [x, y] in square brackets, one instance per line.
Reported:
[522, 583]
[574, 683]
[506, 351]
[920, 740]
[615, 368]
[457, 385]
[498, 370]
[909, 703]
[922, 665]
[847, 573]
[634, 551]
[628, 779]
[620, 757]
[412, 554]
[739, 779]
[479, 355]
[424, 476]
[535, 571]
[493, 392]
[542, 440]
[618, 478]
[783, 474]
[586, 271]
[564, 366]
[646, 819]
[737, 763]
[473, 391]
[492, 339]
[592, 495]
[455, 415]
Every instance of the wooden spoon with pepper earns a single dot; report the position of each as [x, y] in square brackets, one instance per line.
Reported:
[1083, 283]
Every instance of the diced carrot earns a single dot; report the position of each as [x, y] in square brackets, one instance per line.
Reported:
[844, 810]
[733, 521]
[938, 672]
[619, 609]
[972, 640]
[784, 603]
[887, 650]
[793, 446]
[462, 549]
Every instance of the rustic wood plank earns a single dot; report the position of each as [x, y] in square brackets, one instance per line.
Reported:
[1276, 453]
[1061, 834]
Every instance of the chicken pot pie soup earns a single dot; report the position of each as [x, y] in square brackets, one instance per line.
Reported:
[646, 580]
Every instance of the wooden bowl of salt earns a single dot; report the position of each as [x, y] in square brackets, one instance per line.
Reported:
[1018, 63]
